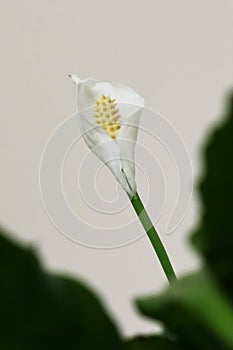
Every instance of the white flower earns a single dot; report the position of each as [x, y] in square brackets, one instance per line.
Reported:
[109, 120]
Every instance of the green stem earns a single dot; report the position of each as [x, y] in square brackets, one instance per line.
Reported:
[154, 238]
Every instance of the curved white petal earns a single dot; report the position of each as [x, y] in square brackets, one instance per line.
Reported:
[118, 156]
[126, 140]
[90, 89]
[102, 145]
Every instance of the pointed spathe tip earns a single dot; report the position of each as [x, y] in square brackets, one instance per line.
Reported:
[74, 78]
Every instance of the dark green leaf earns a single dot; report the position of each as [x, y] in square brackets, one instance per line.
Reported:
[44, 311]
[214, 237]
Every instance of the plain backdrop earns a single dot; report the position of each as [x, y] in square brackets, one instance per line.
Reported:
[177, 54]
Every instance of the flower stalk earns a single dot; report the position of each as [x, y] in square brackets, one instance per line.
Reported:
[154, 238]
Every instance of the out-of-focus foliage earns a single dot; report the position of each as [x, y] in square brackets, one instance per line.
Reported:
[39, 310]
[197, 311]
[152, 343]
[214, 238]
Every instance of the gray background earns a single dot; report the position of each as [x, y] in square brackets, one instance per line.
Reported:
[177, 54]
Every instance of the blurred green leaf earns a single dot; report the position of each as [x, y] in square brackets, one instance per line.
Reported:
[43, 311]
[195, 313]
[214, 237]
[152, 343]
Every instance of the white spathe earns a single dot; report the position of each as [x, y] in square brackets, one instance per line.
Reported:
[117, 154]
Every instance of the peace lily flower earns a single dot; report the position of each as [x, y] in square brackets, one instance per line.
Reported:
[109, 116]
[109, 119]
